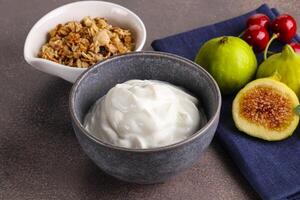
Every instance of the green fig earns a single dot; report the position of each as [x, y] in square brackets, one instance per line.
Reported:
[230, 60]
[286, 65]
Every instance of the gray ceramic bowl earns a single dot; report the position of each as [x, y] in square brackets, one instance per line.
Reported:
[145, 165]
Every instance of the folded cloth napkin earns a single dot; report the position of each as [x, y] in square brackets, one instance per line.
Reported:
[272, 168]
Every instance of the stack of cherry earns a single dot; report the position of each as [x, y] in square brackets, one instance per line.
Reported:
[283, 27]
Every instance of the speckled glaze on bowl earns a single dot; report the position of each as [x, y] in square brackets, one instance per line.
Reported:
[145, 165]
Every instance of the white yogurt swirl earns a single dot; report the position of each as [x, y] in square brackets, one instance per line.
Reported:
[144, 114]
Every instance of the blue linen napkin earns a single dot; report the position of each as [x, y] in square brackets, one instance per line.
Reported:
[272, 168]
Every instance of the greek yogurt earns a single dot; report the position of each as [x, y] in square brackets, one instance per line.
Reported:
[144, 114]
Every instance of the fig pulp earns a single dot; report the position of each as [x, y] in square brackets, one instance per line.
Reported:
[286, 64]
[265, 108]
[230, 60]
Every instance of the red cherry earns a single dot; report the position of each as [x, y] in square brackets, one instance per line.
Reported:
[295, 46]
[259, 19]
[257, 37]
[285, 27]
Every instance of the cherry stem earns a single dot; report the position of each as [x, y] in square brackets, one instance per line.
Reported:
[274, 36]
[241, 34]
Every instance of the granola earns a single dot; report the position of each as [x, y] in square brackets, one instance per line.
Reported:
[82, 44]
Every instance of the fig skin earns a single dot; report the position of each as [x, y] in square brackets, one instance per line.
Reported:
[286, 64]
[257, 130]
[230, 60]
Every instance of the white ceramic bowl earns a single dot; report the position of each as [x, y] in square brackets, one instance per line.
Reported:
[116, 15]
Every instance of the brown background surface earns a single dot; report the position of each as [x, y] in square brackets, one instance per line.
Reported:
[39, 154]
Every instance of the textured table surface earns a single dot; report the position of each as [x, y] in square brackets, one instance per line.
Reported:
[39, 154]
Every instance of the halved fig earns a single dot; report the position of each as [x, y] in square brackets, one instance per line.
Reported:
[265, 108]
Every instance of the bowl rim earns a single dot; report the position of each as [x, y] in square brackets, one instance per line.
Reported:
[147, 150]
[44, 19]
